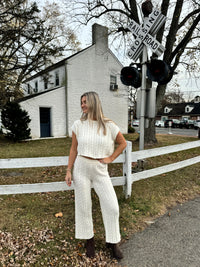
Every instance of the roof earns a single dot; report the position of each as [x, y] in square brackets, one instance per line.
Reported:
[196, 109]
[63, 61]
[35, 95]
[178, 109]
[53, 66]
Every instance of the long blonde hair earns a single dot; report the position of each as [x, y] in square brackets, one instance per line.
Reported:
[95, 111]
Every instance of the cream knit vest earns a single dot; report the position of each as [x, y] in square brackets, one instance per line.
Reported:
[93, 143]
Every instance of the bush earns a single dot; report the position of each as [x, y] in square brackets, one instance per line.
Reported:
[131, 129]
[15, 121]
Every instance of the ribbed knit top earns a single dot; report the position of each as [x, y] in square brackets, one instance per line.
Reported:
[93, 143]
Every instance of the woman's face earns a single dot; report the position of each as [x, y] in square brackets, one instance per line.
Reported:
[84, 105]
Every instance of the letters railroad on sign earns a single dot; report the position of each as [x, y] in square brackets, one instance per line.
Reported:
[144, 36]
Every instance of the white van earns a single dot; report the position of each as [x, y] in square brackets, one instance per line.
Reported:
[197, 124]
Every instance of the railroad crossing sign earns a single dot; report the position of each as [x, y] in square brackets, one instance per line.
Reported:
[144, 35]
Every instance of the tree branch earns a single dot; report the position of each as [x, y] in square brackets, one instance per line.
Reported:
[164, 10]
[182, 23]
[134, 12]
[171, 37]
[181, 46]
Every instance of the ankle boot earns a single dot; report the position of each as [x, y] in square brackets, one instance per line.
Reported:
[116, 252]
[90, 251]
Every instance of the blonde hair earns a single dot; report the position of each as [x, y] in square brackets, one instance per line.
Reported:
[95, 111]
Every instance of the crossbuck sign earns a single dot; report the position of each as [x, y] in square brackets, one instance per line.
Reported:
[144, 35]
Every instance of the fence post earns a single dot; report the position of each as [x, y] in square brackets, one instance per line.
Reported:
[127, 168]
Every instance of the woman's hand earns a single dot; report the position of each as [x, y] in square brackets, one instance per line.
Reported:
[120, 140]
[72, 157]
[106, 160]
[68, 178]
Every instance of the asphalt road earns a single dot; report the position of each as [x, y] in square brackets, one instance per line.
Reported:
[173, 240]
[175, 131]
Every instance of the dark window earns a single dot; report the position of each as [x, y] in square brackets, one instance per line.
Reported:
[45, 85]
[46, 81]
[113, 79]
[29, 88]
[57, 79]
[113, 83]
[36, 87]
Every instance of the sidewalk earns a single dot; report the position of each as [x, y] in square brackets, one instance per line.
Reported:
[172, 241]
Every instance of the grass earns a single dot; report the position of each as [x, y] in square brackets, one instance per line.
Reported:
[31, 234]
[37, 148]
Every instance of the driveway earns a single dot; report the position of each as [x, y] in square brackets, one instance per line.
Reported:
[173, 240]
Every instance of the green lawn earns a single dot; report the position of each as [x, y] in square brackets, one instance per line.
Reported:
[31, 234]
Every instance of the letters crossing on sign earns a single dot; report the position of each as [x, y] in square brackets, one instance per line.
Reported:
[144, 36]
[147, 39]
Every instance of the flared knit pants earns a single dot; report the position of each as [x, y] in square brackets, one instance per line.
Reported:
[88, 173]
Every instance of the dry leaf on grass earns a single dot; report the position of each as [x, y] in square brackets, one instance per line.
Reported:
[59, 215]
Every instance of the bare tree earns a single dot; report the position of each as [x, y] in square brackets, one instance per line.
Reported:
[29, 39]
[174, 97]
[180, 34]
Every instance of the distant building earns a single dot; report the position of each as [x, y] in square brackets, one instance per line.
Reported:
[180, 111]
[52, 96]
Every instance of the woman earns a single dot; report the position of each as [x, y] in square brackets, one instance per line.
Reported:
[93, 139]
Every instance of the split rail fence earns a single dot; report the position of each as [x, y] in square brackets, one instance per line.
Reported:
[126, 158]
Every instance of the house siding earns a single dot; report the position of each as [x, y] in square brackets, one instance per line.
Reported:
[91, 71]
[55, 100]
[40, 81]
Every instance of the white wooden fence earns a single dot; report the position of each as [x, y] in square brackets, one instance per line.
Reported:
[126, 158]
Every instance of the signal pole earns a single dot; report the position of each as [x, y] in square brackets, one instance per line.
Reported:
[144, 37]
[146, 9]
[143, 98]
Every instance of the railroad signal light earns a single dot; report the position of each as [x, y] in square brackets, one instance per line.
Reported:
[131, 76]
[147, 8]
[159, 71]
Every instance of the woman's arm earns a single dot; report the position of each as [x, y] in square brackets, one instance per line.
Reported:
[120, 140]
[72, 157]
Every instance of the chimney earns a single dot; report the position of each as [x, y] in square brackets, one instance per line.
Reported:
[100, 37]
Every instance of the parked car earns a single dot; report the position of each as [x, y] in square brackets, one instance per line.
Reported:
[135, 123]
[174, 123]
[188, 124]
[160, 124]
[197, 124]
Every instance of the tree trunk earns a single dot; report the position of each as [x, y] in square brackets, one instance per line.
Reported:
[150, 132]
[160, 93]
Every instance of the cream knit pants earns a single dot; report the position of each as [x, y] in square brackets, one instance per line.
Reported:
[88, 173]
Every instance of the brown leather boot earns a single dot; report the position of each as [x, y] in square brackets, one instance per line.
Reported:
[90, 250]
[116, 252]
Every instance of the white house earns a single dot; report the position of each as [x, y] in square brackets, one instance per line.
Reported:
[52, 97]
